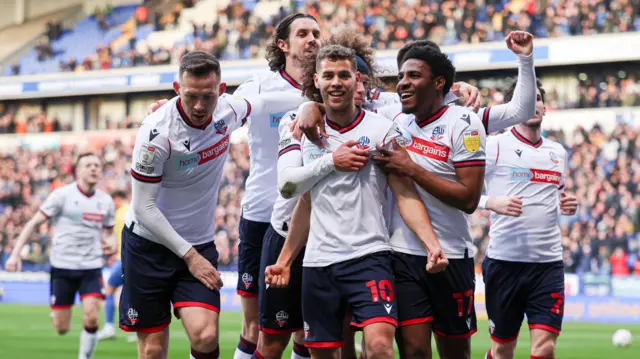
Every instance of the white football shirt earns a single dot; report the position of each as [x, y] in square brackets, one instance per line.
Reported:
[261, 187]
[188, 161]
[347, 208]
[536, 171]
[453, 137]
[78, 220]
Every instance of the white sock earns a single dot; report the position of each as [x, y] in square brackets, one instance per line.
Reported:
[88, 342]
[239, 354]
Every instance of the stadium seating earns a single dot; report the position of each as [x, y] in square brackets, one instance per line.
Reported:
[239, 30]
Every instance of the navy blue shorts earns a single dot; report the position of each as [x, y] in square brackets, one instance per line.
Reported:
[445, 298]
[65, 283]
[514, 289]
[280, 309]
[249, 251]
[362, 286]
[115, 277]
[154, 278]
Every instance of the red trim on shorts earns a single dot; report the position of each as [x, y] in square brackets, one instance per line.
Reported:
[324, 344]
[92, 295]
[242, 293]
[195, 304]
[277, 331]
[406, 323]
[46, 215]
[456, 336]
[504, 341]
[60, 307]
[375, 320]
[544, 327]
[535, 357]
[159, 328]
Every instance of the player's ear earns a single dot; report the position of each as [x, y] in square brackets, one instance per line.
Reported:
[358, 76]
[315, 81]
[176, 87]
[283, 45]
[223, 88]
[440, 82]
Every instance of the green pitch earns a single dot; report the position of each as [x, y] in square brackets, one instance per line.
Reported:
[26, 332]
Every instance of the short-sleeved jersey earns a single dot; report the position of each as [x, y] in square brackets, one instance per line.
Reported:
[283, 208]
[78, 220]
[535, 171]
[451, 138]
[188, 161]
[121, 214]
[261, 185]
[347, 208]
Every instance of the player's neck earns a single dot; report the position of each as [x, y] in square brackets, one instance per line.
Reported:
[86, 188]
[533, 134]
[429, 108]
[341, 117]
[294, 70]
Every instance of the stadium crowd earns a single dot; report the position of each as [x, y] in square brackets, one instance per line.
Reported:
[238, 33]
[601, 238]
[27, 177]
[608, 88]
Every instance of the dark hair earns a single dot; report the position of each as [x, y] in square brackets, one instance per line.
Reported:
[275, 56]
[119, 194]
[437, 60]
[417, 43]
[310, 67]
[508, 92]
[80, 157]
[349, 39]
[199, 63]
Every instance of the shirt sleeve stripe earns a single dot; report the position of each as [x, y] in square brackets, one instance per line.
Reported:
[143, 178]
[289, 149]
[476, 163]
[45, 213]
[244, 120]
[485, 120]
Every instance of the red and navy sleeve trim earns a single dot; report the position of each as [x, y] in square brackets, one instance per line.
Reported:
[485, 119]
[244, 120]
[289, 148]
[143, 178]
[474, 163]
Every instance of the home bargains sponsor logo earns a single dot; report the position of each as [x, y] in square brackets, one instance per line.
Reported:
[429, 149]
[534, 175]
[92, 217]
[194, 160]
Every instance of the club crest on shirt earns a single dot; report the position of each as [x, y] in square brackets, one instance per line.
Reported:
[553, 157]
[220, 127]
[438, 133]
[147, 154]
[472, 140]
[363, 142]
